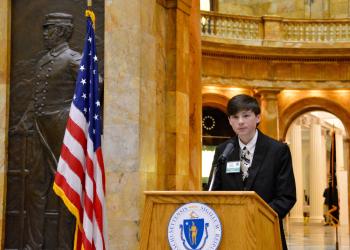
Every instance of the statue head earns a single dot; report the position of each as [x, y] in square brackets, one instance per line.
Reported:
[58, 28]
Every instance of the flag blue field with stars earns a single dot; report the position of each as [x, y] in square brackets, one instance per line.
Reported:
[86, 97]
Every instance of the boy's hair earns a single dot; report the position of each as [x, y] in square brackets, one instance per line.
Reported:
[242, 102]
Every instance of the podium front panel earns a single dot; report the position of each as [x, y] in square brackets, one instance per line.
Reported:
[247, 221]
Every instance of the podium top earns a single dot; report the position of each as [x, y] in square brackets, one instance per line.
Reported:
[208, 196]
[200, 193]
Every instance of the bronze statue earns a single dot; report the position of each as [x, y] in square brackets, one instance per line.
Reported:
[53, 89]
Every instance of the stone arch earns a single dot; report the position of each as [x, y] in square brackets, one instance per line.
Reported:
[215, 101]
[310, 104]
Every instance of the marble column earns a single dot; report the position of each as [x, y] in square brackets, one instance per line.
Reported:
[346, 142]
[316, 182]
[147, 109]
[323, 163]
[5, 36]
[342, 178]
[339, 150]
[296, 214]
[174, 160]
[195, 96]
[346, 150]
[269, 111]
[123, 115]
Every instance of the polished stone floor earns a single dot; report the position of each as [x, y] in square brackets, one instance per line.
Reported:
[316, 237]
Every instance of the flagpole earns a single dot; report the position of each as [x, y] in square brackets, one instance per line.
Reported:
[333, 185]
[332, 156]
[336, 238]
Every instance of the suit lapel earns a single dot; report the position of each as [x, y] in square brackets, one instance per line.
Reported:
[258, 157]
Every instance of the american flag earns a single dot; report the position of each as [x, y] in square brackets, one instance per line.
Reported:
[80, 177]
[332, 191]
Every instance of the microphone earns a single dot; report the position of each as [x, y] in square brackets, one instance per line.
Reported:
[221, 160]
[228, 150]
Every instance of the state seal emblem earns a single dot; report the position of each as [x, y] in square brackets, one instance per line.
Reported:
[194, 226]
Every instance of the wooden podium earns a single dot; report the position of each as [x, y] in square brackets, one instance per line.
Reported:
[247, 221]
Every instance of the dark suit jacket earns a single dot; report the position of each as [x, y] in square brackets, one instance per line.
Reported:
[270, 175]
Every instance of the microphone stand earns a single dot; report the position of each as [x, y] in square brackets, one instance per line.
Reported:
[215, 170]
[222, 160]
[213, 177]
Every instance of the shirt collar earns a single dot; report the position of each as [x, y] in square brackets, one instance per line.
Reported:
[251, 144]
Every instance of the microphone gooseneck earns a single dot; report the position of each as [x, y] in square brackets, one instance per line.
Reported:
[228, 150]
[221, 160]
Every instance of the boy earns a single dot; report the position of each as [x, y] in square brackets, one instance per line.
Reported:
[265, 164]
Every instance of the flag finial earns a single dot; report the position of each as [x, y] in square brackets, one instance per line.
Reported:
[89, 3]
[91, 14]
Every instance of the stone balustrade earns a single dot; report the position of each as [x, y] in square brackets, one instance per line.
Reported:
[276, 31]
[316, 31]
[229, 26]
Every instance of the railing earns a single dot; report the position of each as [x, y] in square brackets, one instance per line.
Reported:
[311, 31]
[272, 29]
[228, 26]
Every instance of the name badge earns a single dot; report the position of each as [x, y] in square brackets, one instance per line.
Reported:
[233, 167]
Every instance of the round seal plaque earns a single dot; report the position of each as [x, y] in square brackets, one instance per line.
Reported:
[194, 226]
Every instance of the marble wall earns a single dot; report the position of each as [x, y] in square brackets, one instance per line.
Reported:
[4, 104]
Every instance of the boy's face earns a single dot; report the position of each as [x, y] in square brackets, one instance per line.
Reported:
[244, 124]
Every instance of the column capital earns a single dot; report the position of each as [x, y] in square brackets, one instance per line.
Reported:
[268, 93]
[316, 121]
[307, 120]
[269, 111]
[297, 122]
[346, 140]
[338, 131]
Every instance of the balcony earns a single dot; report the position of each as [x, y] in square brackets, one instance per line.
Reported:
[247, 51]
[274, 31]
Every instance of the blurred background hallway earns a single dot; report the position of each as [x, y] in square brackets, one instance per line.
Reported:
[316, 237]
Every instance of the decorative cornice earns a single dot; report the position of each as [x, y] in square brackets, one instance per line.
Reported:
[217, 49]
[261, 83]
